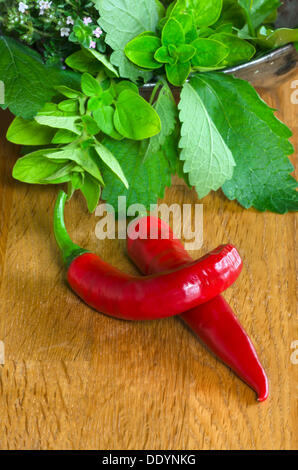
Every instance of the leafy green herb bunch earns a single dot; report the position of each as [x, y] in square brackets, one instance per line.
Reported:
[99, 135]
[52, 27]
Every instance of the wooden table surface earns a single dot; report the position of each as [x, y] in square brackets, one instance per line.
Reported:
[76, 379]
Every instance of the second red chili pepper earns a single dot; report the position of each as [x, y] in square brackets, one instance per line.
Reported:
[214, 321]
[115, 293]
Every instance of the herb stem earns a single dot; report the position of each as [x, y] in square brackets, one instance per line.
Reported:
[251, 28]
[155, 90]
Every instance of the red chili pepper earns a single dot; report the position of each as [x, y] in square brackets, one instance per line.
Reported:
[115, 293]
[214, 321]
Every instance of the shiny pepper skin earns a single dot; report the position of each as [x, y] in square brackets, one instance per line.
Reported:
[214, 321]
[120, 295]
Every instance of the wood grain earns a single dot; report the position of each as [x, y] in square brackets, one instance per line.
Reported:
[75, 379]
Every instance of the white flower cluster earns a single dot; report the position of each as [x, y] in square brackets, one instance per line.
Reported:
[64, 25]
[43, 6]
[97, 32]
[23, 7]
[64, 32]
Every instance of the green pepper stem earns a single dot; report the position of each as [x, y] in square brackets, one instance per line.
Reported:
[68, 248]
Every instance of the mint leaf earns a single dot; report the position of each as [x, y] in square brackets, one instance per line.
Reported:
[147, 180]
[257, 139]
[29, 84]
[208, 160]
[123, 20]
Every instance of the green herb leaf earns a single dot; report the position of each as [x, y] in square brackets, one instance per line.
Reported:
[86, 159]
[128, 69]
[147, 180]
[188, 25]
[28, 82]
[104, 61]
[91, 191]
[208, 160]
[125, 85]
[111, 162]
[171, 153]
[35, 168]
[209, 52]
[178, 73]
[134, 117]
[166, 109]
[162, 55]
[257, 11]
[185, 52]
[63, 136]
[204, 12]
[239, 50]
[141, 51]
[69, 106]
[257, 139]
[90, 85]
[104, 118]
[51, 109]
[77, 181]
[90, 125]
[231, 13]
[123, 20]
[269, 39]
[68, 92]
[83, 61]
[29, 132]
[94, 103]
[62, 175]
[172, 33]
[59, 122]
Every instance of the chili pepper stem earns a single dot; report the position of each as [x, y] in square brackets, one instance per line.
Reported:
[68, 248]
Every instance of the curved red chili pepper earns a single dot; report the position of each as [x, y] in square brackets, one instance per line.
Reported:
[214, 321]
[120, 295]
